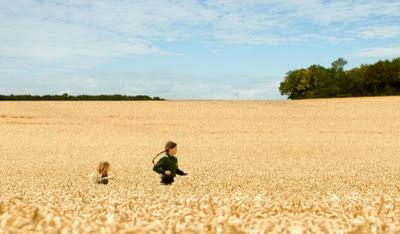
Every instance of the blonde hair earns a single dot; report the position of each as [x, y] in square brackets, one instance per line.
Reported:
[103, 168]
[169, 145]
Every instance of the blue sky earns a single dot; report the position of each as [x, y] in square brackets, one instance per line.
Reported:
[188, 49]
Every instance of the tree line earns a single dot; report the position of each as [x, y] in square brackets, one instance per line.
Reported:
[66, 97]
[379, 79]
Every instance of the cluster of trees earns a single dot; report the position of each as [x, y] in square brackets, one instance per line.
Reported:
[66, 97]
[379, 79]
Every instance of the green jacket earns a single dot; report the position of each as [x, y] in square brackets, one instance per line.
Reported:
[168, 162]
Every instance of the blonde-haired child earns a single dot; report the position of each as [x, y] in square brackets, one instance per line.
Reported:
[100, 176]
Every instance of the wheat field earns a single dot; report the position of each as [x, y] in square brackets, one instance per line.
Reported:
[306, 166]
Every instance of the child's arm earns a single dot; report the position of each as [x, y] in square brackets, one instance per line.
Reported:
[180, 172]
[105, 178]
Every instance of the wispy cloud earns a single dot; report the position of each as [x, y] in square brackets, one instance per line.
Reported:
[56, 29]
[378, 52]
[172, 85]
[380, 31]
[53, 30]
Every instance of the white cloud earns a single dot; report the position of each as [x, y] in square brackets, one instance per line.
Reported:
[170, 85]
[285, 21]
[71, 28]
[258, 91]
[380, 31]
[378, 52]
[61, 29]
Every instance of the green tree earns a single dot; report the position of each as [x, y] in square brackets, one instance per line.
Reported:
[381, 78]
[338, 64]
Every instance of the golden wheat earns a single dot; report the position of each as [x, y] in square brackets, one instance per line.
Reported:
[281, 166]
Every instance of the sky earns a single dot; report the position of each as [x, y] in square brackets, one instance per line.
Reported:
[185, 49]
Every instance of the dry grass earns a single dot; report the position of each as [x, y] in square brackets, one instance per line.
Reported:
[300, 166]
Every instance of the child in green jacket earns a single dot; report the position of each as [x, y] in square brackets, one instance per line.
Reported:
[167, 166]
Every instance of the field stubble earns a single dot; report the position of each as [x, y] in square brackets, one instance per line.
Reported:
[255, 166]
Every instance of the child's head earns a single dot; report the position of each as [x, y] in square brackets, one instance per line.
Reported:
[171, 148]
[103, 168]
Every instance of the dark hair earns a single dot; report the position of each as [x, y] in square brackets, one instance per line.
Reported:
[168, 146]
